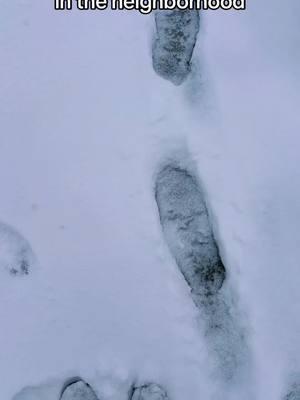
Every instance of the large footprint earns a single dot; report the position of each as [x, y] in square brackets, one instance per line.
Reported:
[294, 392]
[187, 230]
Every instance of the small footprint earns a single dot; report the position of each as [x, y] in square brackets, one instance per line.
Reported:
[16, 254]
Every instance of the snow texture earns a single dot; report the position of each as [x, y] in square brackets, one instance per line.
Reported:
[85, 124]
[150, 391]
[176, 35]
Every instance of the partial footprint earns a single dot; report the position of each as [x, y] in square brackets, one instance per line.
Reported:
[150, 391]
[293, 391]
[294, 394]
[78, 390]
[176, 35]
[16, 255]
[189, 235]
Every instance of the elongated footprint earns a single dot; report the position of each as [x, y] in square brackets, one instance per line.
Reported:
[185, 222]
[187, 230]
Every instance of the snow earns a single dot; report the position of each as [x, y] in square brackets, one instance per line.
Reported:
[86, 123]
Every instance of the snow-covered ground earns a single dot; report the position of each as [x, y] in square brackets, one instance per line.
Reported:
[85, 124]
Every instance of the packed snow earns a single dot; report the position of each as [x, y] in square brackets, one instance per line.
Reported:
[89, 287]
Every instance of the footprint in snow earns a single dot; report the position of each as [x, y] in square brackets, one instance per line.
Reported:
[16, 254]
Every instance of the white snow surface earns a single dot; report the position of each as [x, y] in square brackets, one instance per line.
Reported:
[85, 123]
